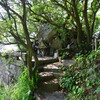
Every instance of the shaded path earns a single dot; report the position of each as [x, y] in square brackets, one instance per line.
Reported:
[48, 87]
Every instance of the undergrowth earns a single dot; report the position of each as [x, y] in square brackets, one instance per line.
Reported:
[22, 90]
[81, 80]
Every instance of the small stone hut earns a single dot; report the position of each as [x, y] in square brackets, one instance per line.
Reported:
[49, 40]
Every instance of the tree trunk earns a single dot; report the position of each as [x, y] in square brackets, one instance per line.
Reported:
[29, 63]
[77, 20]
[79, 33]
[86, 21]
[32, 69]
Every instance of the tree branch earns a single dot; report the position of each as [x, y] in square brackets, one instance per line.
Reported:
[18, 39]
[68, 2]
[24, 24]
[7, 7]
[65, 8]
[46, 18]
[10, 43]
[94, 15]
[86, 20]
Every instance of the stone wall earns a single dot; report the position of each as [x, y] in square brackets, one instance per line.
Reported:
[10, 70]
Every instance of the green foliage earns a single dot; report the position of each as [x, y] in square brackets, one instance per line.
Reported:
[59, 14]
[21, 48]
[3, 54]
[21, 90]
[10, 60]
[81, 79]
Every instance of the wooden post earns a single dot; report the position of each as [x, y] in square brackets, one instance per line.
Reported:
[57, 53]
[92, 44]
[95, 44]
[26, 59]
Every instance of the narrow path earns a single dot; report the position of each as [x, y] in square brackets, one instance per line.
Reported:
[48, 87]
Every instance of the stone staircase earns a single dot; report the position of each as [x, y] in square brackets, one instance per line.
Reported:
[48, 87]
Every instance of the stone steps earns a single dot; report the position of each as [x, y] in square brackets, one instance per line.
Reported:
[45, 76]
[48, 87]
[48, 70]
[58, 95]
[48, 80]
[51, 70]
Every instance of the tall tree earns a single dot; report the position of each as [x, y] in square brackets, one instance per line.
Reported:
[77, 14]
[16, 15]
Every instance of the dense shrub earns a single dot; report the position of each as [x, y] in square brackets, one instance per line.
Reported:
[81, 79]
[21, 90]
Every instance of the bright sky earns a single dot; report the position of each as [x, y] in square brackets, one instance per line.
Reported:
[8, 47]
[1, 9]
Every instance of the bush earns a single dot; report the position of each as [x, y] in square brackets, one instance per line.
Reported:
[22, 90]
[81, 79]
